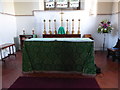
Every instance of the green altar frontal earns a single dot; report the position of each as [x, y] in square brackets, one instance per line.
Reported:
[56, 54]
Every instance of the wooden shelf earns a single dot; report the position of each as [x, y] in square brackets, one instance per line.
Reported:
[61, 35]
[24, 37]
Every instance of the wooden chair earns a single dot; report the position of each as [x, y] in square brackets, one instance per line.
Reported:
[115, 51]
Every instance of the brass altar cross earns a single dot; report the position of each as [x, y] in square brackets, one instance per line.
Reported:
[61, 18]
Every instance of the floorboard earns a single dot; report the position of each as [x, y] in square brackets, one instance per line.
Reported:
[12, 69]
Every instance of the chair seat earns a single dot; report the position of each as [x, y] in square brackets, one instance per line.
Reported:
[114, 49]
[114, 52]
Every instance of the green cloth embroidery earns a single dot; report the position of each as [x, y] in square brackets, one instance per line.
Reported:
[61, 30]
[34, 36]
[58, 56]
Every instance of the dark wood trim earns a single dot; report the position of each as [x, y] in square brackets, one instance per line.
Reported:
[61, 35]
[23, 15]
[51, 10]
[7, 14]
[104, 14]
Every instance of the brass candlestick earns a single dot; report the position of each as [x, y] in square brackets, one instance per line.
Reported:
[50, 27]
[44, 32]
[78, 26]
[55, 32]
[72, 26]
[61, 18]
[67, 32]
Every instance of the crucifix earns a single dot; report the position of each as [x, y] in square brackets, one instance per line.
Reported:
[61, 28]
[61, 18]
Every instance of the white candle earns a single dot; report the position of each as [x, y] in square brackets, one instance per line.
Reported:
[55, 24]
[23, 30]
[79, 24]
[33, 29]
[44, 25]
[73, 23]
[67, 24]
[49, 24]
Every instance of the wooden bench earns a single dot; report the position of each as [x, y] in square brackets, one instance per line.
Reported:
[11, 50]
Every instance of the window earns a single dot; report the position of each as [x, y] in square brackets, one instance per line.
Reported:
[62, 4]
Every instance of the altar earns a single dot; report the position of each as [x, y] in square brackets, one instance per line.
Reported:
[59, 54]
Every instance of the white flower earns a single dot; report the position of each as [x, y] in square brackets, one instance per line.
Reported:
[102, 29]
[105, 29]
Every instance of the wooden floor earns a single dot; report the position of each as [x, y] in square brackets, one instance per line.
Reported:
[12, 69]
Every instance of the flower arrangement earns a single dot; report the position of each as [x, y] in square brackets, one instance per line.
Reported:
[105, 27]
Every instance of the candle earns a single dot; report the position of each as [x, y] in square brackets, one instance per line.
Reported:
[44, 27]
[67, 27]
[55, 32]
[72, 26]
[49, 24]
[67, 24]
[33, 30]
[44, 24]
[78, 23]
[55, 24]
[73, 23]
[50, 27]
[78, 26]
[24, 31]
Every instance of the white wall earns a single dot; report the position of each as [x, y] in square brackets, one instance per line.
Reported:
[7, 7]
[89, 24]
[104, 7]
[7, 29]
[1, 6]
[0, 75]
[26, 22]
[119, 17]
[119, 25]
[115, 22]
[25, 8]
[113, 37]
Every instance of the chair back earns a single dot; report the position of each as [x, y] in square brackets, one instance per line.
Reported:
[117, 44]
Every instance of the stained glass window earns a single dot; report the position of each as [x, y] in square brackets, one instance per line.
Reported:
[74, 3]
[50, 3]
[62, 4]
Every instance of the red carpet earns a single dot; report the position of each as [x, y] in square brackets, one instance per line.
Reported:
[38, 82]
